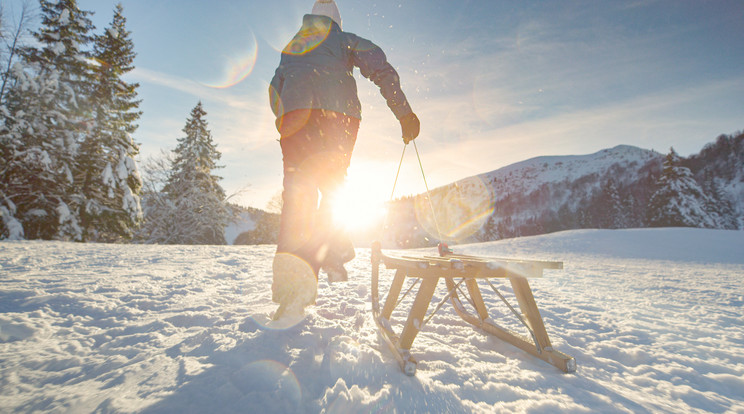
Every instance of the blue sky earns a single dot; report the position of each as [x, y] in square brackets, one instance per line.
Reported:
[493, 82]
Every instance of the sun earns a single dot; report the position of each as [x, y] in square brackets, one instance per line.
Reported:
[360, 203]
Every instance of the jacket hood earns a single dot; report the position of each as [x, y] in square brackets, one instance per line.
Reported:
[327, 8]
[315, 19]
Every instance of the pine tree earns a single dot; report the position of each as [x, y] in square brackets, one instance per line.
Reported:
[37, 156]
[612, 214]
[106, 171]
[679, 201]
[45, 118]
[720, 203]
[489, 231]
[64, 39]
[191, 208]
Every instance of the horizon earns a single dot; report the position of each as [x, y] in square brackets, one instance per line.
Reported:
[494, 83]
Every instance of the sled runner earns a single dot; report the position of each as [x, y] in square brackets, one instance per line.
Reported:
[463, 275]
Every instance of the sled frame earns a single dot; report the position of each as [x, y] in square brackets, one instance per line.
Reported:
[461, 274]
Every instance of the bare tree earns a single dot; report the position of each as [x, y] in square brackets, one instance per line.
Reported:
[156, 172]
[275, 204]
[12, 42]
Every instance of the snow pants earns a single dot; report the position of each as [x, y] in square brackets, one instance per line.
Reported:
[316, 149]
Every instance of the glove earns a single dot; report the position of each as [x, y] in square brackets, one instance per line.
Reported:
[410, 127]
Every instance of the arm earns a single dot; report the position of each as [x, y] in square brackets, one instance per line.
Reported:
[373, 65]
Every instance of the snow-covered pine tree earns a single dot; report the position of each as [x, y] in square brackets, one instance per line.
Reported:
[679, 201]
[64, 39]
[194, 195]
[612, 214]
[489, 231]
[37, 154]
[107, 174]
[46, 114]
[720, 203]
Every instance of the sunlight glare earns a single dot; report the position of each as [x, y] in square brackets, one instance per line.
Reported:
[360, 203]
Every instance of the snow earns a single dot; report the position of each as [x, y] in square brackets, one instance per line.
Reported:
[652, 316]
[64, 17]
[13, 226]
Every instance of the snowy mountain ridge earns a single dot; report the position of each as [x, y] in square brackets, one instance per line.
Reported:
[527, 176]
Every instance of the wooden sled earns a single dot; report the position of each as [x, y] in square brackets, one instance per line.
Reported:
[461, 274]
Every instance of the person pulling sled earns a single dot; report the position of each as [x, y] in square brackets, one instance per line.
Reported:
[314, 97]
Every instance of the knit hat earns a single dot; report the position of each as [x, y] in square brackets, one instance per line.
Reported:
[327, 8]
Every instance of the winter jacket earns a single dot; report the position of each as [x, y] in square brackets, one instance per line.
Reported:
[316, 71]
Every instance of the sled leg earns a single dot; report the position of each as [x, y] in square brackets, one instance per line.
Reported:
[529, 309]
[475, 295]
[392, 297]
[418, 312]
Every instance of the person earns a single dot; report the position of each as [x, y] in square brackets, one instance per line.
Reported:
[314, 97]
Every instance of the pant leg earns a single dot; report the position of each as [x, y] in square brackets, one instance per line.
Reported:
[299, 141]
[316, 149]
[339, 145]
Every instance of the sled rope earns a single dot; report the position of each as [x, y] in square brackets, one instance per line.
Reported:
[428, 194]
[426, 185]
[392, 194]
[395, 183]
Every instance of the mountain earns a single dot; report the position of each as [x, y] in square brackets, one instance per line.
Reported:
[529, 176]
[607, 189]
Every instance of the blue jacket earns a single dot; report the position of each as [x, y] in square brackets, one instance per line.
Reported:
[316, 71]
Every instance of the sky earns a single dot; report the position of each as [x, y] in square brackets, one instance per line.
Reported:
[493, 82]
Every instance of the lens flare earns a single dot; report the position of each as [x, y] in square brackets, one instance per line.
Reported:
[238, 67]
[308, 38]
[455, 212]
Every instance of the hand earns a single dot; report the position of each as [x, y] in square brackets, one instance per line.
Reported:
[410, 127]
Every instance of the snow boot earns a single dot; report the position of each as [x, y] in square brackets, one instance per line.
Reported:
[340, 252]
[294, 285]
[336, 272]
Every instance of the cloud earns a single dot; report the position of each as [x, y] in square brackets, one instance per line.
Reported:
[192, 87]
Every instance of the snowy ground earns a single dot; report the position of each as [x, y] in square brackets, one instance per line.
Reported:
[653, 318]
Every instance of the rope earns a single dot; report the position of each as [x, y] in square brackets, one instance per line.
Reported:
[392, 193]
[426, 185]
[428, 194]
